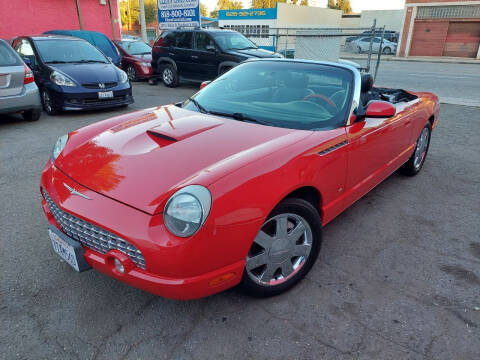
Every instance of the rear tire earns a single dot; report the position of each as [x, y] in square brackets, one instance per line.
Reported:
[413, 166]
[48, 103]
[278, 259]
[31, 115]
[387, 51]
[169, 75]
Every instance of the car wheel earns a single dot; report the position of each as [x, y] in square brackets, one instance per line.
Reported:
[415, 163]
[223, 70]
[131, 73]
[284, 249]
[31, 115]
[48, 103]
[169, 76]
[387, 51]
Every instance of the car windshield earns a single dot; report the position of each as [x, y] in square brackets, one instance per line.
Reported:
[69, 51]
[135, 47]
[285, 94]
[230, 40]
[7, 56]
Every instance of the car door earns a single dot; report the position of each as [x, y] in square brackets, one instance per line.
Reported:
[183, 53]
[12, 71]
[25, 49]
[204, 57]
[374, 145]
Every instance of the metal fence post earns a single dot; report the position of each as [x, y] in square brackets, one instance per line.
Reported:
[380, 51]
[371, 44]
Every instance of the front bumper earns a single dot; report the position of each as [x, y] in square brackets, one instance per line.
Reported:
[171, 264]
[28, 99]
[143, 72]
[79, 98]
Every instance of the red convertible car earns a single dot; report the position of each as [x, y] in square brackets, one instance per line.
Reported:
[234, 185]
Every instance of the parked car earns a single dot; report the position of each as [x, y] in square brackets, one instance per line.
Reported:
[72, 74]
[97, 39]
[136, 58]
[18, 92]
[234, 185]
[290, 54]
[201, 54]
[389, 35]
[363, 44]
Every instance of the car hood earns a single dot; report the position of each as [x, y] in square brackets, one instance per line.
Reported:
[254, 53]
[88, 73]
[143, 159]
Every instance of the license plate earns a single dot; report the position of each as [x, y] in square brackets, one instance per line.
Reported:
[105, 94]
[68, 249]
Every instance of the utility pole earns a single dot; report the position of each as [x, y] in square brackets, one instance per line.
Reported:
[79, 14]
[143, 25]
[112, 19]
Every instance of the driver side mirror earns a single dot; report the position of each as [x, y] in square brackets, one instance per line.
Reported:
[211, 48]
[380, 109]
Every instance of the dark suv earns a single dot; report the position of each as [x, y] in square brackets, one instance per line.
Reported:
[201, 54]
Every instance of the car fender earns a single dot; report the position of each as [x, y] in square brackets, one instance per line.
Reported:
[165, 60]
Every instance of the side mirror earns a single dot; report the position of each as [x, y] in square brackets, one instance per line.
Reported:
[203, 84]
[211, 48]
[380, 109]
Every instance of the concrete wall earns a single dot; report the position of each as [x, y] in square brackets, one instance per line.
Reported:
[31, 17]
[350, 22]
[290, 15]
[392, 19]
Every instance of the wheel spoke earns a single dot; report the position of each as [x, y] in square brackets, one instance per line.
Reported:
[302, 250]
[268, 273]
[296, 232]
[282, 227]
[264, 240]
[256, 261]
[287, 267]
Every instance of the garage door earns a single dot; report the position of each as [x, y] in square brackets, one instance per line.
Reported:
[463, 39]
[428, 37]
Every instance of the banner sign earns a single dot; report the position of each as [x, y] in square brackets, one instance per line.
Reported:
[178, 13]
[252, 14]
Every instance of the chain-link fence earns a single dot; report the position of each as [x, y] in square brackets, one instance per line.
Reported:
[362, 46]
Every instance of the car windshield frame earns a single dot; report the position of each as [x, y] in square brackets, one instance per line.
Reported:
[224, 34]
[300, 110]
[122, 44]
[47, 56]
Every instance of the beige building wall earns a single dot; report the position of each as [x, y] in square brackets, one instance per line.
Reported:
[392, 19]
[350, 22]
[289, 15]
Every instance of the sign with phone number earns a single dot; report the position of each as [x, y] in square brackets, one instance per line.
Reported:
[176, 13]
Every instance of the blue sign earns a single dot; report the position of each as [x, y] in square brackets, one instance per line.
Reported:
[253, 14]
[176, 13]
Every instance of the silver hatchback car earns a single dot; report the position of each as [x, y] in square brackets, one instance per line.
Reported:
[18, 91]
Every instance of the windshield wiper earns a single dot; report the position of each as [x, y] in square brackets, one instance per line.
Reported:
[245, 48]
[199, 107]
[240, 116]
[90, 61]
[56, 62]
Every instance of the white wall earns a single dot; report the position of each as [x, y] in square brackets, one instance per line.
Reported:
[392, 19]
[289, 15]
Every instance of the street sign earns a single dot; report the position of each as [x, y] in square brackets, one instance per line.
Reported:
[176, 13]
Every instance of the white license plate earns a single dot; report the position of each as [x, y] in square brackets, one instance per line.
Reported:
[64, 250]
[105, 94]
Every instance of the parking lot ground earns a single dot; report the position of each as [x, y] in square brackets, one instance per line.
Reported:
[398, 276]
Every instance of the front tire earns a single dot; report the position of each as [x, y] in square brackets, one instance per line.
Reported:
[387, 51]
[284, 250]
[169, 76]
[413, 166]
[48, 102]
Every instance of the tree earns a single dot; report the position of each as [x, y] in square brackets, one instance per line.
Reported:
[203, 10]
[265, 4]
[304, 3]
[226, 5]
[343, 5]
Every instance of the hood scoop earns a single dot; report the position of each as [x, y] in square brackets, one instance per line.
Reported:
[181, 129]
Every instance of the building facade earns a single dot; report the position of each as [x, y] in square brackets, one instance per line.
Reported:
[441, 28]
[33, 17]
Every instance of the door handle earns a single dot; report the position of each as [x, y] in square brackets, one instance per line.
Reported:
[194, 57]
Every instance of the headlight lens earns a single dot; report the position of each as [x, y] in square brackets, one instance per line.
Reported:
[187, 210]
[145, 64]
[60, 79]
[59, 146]
[123, 76]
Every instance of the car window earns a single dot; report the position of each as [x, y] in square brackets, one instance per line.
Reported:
[203, 41]
[135, 47]
[69, 51]
[25, 50]
[376, 40]
[7, 56]
[166, 39]
[231, 40]
[283, 94]
[184, 40]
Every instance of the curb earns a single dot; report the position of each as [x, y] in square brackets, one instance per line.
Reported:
[429, 60]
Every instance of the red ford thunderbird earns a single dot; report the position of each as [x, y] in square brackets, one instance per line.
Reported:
[234, 185]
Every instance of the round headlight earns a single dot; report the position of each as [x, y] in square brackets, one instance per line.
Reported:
[123, 76]
[60, 79]
[59, 146]
[187, 210]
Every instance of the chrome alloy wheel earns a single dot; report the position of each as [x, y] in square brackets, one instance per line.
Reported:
[280, 249]
[167, 76]
[131, 73]
[421, 149]
[47, 102]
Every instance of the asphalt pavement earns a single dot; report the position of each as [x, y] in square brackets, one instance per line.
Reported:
[398, 275]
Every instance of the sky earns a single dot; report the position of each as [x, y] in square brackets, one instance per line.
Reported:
[357, 5]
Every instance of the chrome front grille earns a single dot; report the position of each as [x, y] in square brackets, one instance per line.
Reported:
[91, 235]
